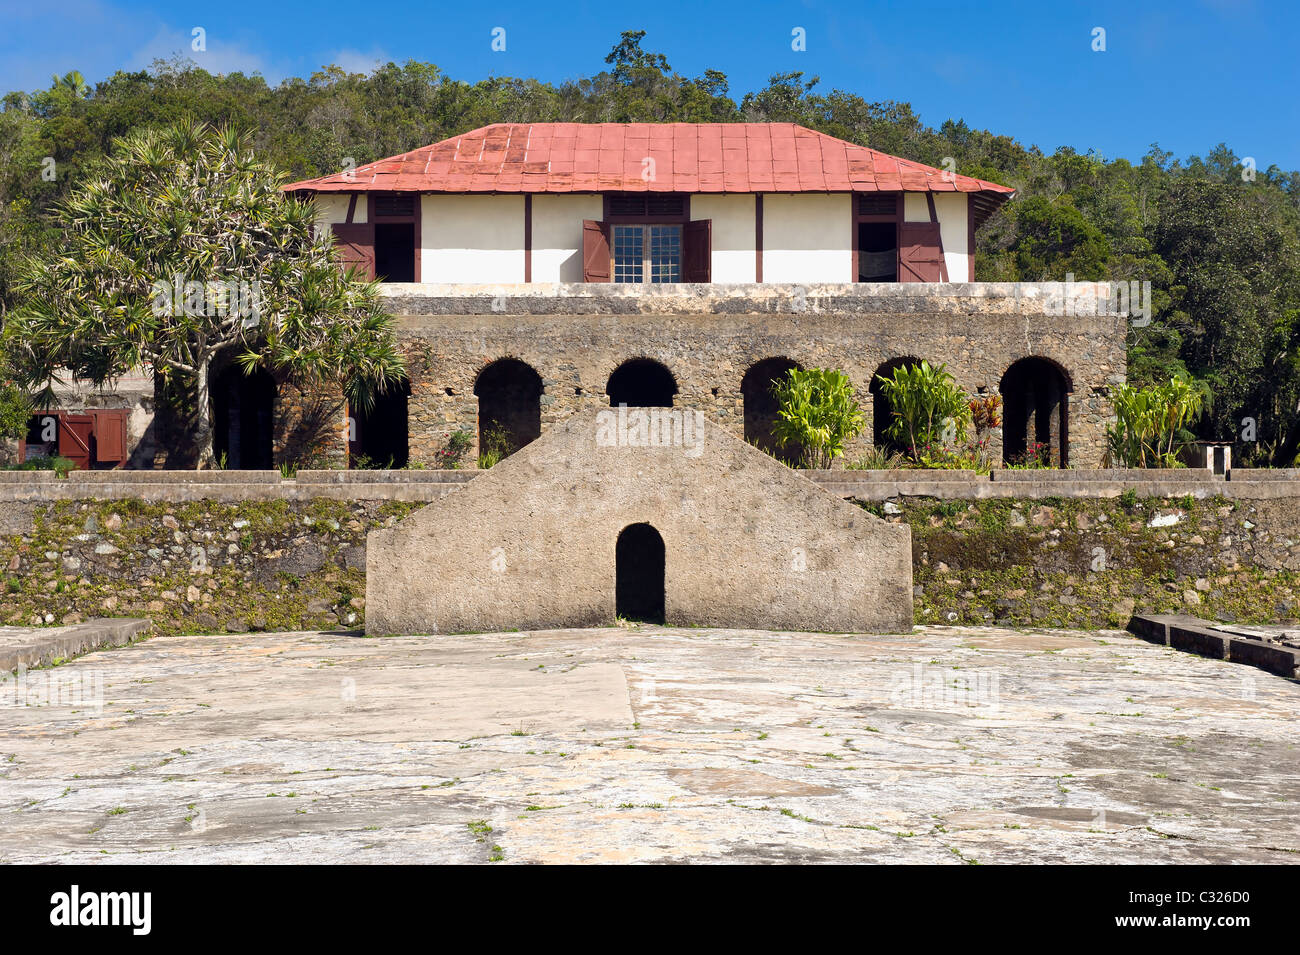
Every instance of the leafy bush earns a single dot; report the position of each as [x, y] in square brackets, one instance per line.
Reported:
[817, 414]
[495, 445]
[930, 412]
[458, 442]
[59, 465]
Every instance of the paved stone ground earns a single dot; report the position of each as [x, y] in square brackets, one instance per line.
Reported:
[654, 745]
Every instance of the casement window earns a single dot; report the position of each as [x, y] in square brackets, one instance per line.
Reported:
[386, 246]
[647, 238]
[647, 253]
[888, 249]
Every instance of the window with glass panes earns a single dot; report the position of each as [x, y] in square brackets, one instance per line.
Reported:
[647, 253]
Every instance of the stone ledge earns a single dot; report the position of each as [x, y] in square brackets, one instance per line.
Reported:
[1021, 298]
[41, 646]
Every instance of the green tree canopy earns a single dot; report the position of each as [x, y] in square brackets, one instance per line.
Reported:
[180, 251]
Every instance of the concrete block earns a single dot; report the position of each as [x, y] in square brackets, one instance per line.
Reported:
[1199, 639]
[1283, 661]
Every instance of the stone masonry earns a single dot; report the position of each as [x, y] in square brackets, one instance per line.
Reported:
[708, 336]
[537, 541]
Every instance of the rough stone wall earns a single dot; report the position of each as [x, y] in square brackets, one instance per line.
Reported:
[532, 543]
[289, 565]
[311, 425]
[575, 336]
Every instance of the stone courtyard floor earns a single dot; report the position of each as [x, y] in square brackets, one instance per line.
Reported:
[950, 745]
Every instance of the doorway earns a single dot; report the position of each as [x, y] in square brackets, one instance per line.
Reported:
[639, 574]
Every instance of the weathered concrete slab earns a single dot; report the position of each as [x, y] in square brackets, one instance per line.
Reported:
[656, 745]
[531, 543]
[41, 646]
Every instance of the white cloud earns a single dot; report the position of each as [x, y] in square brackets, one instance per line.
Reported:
[354, 61]
[220, 55]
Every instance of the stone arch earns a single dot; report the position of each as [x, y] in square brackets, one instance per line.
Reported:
[639, 558]
[761, 407]
[509, 393]
[1036, 412]
[378, 435]
[243, 418]
[641, 383]
[882, 413]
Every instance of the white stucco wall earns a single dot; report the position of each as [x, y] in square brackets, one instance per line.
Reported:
[951, 208]
[333, 207]
[557, 235]
[472, 239]
[733, 234]
[807, 238]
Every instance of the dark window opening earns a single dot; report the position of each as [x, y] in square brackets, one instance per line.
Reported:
[242, 415]
[877, 252]
[509, 406]
[639, 574]
[379, 434]
[882, 412]
[1035, 414]
[395, 252]
[641, 383]
[761, 406]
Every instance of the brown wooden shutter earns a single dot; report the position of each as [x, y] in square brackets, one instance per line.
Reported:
[356, 246]
[110, 436]
[697, 251]
[74, 438]
[595, 251]
[920, 252]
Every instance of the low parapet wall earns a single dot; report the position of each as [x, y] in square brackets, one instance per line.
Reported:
[429, 485]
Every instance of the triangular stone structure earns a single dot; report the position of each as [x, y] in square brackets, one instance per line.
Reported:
[533, 543]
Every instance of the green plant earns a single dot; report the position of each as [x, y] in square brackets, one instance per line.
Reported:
[494, 445]
[59, 465]
[288, 470]
[930, 412]
[817, 414]
[1150, 422]
[878, 459]
[458, 444]
[181, 252]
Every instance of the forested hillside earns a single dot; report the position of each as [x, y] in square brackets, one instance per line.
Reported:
[1219, 243]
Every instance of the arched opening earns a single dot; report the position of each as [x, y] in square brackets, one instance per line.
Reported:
[1035, 413]
[641, 383]
[243, 408]
[509, 408]
[639, 574]
[882, 412]
[761, 405]
[379, 434]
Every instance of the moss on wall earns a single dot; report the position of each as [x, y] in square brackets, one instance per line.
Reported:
[1091, 563]
[208, 566]
[194, 567]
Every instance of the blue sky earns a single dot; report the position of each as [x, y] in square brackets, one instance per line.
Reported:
[1186, 74]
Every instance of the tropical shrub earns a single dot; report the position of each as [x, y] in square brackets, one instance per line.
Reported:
[817, 414]
[1151, 422]
[930, 411]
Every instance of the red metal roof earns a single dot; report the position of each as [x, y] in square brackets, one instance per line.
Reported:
[611, 157]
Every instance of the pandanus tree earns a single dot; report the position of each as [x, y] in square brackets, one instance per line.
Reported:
[181, 252]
